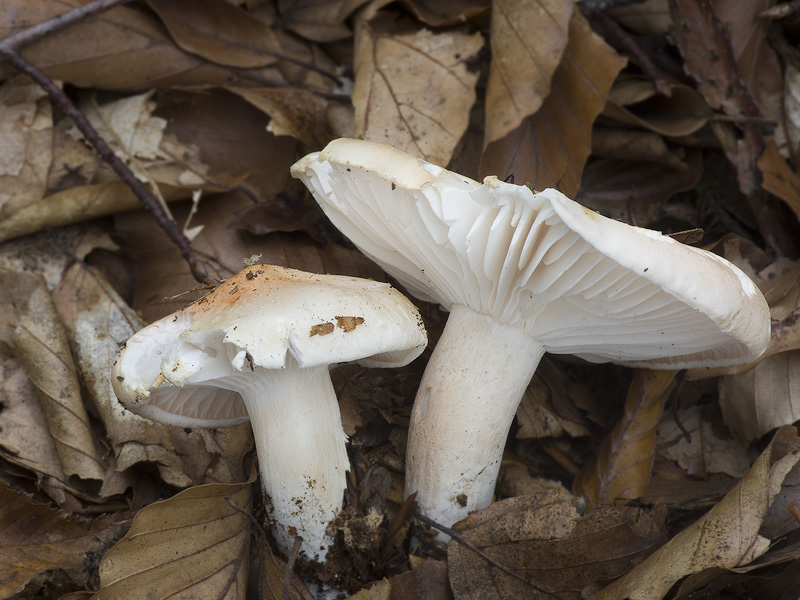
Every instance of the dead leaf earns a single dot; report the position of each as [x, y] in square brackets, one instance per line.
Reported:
[219, 32]
[40, 343]
[35, 538]
[791, 103]
[273, 578]
[650, 17]
[779, 179]
[444, 13]
[528, 40]
[412, 87]
[724, 537]
[623, 466]
[631, 145]
[550, 148]
[543, 539]
[315, 20]
[194, 545]
[514, 479]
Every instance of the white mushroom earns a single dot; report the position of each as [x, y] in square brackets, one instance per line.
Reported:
[259, 347]
[521, 273]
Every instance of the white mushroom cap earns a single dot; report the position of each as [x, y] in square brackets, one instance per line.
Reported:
[259, 347]
[521, 273]
[576, 281]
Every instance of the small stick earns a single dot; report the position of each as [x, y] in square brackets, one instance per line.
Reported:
[465, 542]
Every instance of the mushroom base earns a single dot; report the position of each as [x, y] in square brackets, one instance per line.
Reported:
[466, 402]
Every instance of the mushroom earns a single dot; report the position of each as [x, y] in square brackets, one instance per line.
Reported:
[259, 347]
[521, 273]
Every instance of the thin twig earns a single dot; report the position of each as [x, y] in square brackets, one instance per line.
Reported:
[287, 574]
[16, 41]
[466, 543]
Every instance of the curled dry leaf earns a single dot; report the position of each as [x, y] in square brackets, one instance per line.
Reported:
[779, 179]
[35, 538]
[528, 40]
[40, 343]
[726, 536]
[543, 539]
[412, 87]
[631, 145]
[650, 17]
[550, 148]
[122, 49]
[623, 466]
[315, 20]
[194, 545]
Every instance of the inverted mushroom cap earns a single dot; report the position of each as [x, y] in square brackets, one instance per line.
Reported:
[265, 316]
[577, 282]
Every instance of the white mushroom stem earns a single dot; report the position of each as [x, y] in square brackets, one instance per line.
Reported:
[301, 452]
[466, 401]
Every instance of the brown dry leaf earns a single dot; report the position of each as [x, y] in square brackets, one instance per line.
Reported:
[634, 100]
[298, 113]
[219, 32]
[26, 128]
[764, 398]
[24, 437]
[650, 17]
[273, 579]
[631, 145]
[412, 87]
[709, 450]
[515, 479]
[35, 538]
[623, 466]
[194, 545]
[543, 539]
[40, 343]
[779, 179]
[445, 13]
[316, 20]
[791, 104]
[726, 536]
[528, 40]
[123, 49]
[428, 581]
[550, 148]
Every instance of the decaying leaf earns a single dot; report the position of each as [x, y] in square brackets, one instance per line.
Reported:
[528, 40]
[726, 536]
[779, 179]
[35, 538]
[623, 466]
[543, 539]
[412, 87]
[194, 545]
[550, 148]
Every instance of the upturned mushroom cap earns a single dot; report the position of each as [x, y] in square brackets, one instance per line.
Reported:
[259, 318]
[577, 282]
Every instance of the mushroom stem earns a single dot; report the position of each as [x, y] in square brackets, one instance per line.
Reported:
[466, 401]
[301, 453]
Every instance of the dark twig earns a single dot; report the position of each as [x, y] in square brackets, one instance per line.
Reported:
[201, 268]
[466, 543]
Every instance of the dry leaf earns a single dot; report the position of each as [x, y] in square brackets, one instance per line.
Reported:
[528, 40]
[35, 538]
[779, 179]
[791, 103]
[550, 148]
[709, 449]
[723, 537]
[26, 129]
[412, 88]
[764, 398]
[650, 17]
[315, 20]
[445, 13]
[623, 466]
[194, 545]
[219, 32]
[543, 539]
[24, 437]
[631, 145]
[40, 343]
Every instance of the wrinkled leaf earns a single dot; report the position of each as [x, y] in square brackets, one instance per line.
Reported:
[631, 145]
[550, 148]
[194, 545]
[528, 40]
[412, 87]
[724, 537]
[315, 20]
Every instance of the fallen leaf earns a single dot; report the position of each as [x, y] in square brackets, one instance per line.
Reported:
[315, 20]
[194, 545]
[35, 538]
[779, 179]
[550, 148]
[791, 103]
[623, 466]
[632, 145]
[40, 343]
[723, 537]
[528, 40]
[219, 32]
[650, 17]
[445, 13]
[543, 539]
[412, 87]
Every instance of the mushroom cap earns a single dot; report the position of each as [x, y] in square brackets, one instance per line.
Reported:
[577, 282]
[264, 317]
